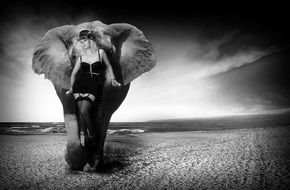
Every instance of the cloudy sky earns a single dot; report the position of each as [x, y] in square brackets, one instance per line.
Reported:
[210, 62]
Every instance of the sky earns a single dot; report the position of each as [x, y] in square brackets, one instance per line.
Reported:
[211, 61]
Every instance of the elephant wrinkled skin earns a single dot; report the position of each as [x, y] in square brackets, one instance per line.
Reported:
[130, 54]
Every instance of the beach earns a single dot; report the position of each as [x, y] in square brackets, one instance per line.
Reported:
[256, 158]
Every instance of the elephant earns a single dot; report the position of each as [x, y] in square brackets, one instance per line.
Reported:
[130, 55]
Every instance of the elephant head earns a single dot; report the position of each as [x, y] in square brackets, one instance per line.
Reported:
[130, 54]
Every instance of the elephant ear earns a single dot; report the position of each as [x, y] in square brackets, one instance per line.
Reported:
[51, 56]
[136, 55]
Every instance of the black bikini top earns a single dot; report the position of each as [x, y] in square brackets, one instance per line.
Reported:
[93, 68]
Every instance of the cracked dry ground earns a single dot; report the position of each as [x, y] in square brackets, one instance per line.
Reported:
[231, 159]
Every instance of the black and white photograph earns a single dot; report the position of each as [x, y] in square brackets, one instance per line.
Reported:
[144, 95]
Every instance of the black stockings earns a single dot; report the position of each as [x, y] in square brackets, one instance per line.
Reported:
[84, 107]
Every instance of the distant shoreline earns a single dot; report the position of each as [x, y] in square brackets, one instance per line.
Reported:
[201, 124]
[140, 131]
[237, 116]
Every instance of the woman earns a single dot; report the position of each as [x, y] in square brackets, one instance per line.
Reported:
[91, 72]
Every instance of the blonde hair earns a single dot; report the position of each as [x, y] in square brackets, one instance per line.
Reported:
[78, 49]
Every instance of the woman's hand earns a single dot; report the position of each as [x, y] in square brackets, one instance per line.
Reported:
[115, 83]
[69, 92]
[111, 82]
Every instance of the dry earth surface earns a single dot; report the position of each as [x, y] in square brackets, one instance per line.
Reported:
[225, 159]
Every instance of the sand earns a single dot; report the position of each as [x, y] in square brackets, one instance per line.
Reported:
[229, 159]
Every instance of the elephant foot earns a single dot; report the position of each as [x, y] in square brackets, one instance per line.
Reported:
[95, 160]
[76, 156]
[89, 168]
[98, 162]
[96, 165]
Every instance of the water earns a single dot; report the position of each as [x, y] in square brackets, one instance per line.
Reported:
[174, 125]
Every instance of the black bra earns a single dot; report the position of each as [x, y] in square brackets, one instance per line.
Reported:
[92, 68]
[91, 63]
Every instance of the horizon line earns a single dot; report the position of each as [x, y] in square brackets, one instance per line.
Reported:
[164, 119]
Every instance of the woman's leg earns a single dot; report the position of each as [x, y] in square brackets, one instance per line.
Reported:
[81, 118]
[85, 113]
[79, 105]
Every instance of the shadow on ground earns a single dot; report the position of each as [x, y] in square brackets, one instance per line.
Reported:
[116, 156]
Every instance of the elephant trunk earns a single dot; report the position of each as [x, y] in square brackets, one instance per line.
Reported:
[108, 102]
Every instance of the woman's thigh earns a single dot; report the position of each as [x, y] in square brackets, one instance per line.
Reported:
[79, 103]
[84, 105]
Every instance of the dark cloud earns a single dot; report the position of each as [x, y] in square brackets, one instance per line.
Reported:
[266, 82]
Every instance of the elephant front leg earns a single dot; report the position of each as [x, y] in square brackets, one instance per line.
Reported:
[72, 129]
[75, 154]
